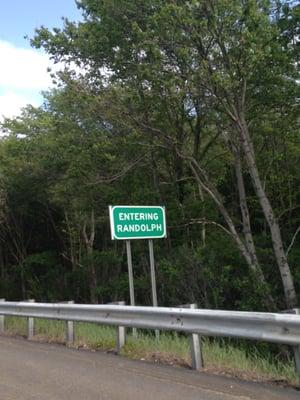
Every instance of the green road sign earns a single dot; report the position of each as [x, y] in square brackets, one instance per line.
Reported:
[137, 222]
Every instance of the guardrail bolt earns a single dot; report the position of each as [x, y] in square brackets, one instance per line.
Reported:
[196, 348]
[30, 324]
[2, 320]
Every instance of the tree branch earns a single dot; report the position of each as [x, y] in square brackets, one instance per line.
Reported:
[119, 175]
[293, 241]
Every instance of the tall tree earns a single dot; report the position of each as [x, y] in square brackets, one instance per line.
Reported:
[184, 55]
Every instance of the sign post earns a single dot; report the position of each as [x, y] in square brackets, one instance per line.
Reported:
[152, 269]
[138, 222]
[153, 279]
[130, 273]
[130, 277]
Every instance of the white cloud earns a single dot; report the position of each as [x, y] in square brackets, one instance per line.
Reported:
[22, 68]
[23, 75]
[11, 103]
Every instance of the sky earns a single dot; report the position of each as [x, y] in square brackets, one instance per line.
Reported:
[23, 70]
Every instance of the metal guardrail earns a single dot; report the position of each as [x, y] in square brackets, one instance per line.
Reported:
[280, 328]
[272, 327]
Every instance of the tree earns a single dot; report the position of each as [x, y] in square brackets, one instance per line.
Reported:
[186, 56]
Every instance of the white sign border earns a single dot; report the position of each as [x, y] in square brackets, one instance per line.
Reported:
[112, 228]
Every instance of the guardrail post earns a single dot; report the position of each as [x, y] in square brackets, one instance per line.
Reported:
[196, 348]
[2, 320]
[121, 333]
[70, 333]
[297, 350]
[30, 324]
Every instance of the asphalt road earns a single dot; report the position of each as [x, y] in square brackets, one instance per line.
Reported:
[32, 370]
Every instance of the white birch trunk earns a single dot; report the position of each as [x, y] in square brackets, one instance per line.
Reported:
[281, 259]
[247, 231]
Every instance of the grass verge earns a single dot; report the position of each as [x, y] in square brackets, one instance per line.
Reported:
[171, 349]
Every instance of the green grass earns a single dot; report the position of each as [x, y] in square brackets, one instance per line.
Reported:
[171, 348]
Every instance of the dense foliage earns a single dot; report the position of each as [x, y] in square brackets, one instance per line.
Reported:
[189, 104]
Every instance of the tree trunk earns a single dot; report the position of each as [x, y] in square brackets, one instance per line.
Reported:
[72, 243]
[254, 266]
[247, 231]
[213, 193]
[93, 276]
[89, 243]
[23, 287]
[281, 259]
